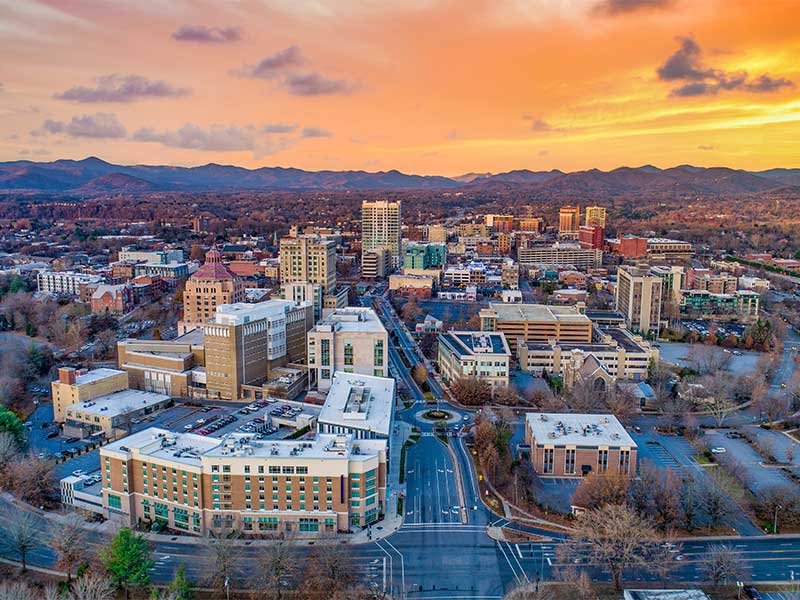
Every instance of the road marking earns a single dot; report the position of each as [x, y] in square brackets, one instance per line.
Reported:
[513, 571]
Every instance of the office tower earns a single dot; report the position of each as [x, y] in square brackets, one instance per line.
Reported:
[595, 215]
[212, 285]
[381, 227]
[376, 263]
[638, 298]
[591, 237]
[309, 259]
[569, 219]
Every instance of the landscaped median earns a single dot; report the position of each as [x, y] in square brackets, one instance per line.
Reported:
[412, 439]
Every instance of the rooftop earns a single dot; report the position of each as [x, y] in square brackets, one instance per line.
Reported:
[690, 594]
[573, 429]
[190, 448]
[537, 312]
[359, 401]
[243, 312]
[96, 375]
[119, 403]
[351, 319]
[473, 343]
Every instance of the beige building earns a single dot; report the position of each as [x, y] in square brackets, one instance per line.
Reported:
[164, 367]
[212, 285]
[560, 254]
[304, 291]
[595, 215]
[309, 259]
[536, 322]
[382, 227]
[638, 298]
[198, 485]
[623, 355]
[437, 233]
[576, 445]
[352, 340]
[73, 387]
[376, 263]
[569, 220]
[244, 342]
[112, 414]
[483, 355]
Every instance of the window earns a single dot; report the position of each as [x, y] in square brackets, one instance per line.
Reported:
[602, 461]
[348, 354]
[307, 524]
[114, 502]
[547, 466]
[326, 352]
[569, 462]
[624, 461]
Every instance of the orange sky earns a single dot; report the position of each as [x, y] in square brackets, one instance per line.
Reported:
[424, 86]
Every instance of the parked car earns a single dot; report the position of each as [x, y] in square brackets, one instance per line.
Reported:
[718, 450]
[72, 440]
[52, 434]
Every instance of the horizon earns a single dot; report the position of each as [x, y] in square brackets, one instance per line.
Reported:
[431, 88]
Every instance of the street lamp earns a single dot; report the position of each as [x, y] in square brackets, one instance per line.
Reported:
[775, 519]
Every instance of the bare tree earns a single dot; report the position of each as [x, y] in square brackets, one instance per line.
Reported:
[92, 587]
[707, 359]
[597, 490]
[68, 541]
[21, 535]
[615, 537]
[583, 397]
[278, 567]
[719, 401]
[471, 391]
[17, 590]
[32, 479]
[531, 591]
[328, 573]
[717, 505]
[722, 564]
[222, 555]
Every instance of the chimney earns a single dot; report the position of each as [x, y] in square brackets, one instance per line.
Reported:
[66, 375]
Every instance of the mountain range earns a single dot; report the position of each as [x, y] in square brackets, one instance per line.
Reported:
[93, 176]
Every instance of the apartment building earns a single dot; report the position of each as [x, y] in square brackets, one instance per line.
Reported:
[244, 342]
[352, 340]
[668, 249]
[673, 280]
[71, 283]
[358, 405]
[716, 283]
[212, 285]
[381, 227]
[536, 322]
[741, 305]
[623, 355]
[560, 254]
[201, 485]
[309, 259]
[73, 387]
[128, 253]
[595, 216]
[484, 355]
[437, 234]
[569, 219]
[575, 445]
[638, 297]
[424, 256]
[591, 237]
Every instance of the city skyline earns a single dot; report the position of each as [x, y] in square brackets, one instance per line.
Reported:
[431, 88]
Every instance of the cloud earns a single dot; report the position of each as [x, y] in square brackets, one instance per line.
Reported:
[274, 65]
[217, 138]
[207, 35]
[541, 125]
[315, 84]
[121, 88]
[455, 134]
[285, 64]
[686, 65]
[619, 7]
[315, 132]
[278, 128]
[34, 152]
[701, 147]
[2, 89]
[543, 152]
[98, 125]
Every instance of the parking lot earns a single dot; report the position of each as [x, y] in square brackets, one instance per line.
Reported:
[555, 492]
[758, 477]
[742, 362]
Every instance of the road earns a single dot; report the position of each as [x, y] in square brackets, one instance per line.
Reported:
[442, 549]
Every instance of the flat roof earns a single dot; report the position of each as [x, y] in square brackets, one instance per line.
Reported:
[195, 337]
[537, 312]
[119, 403]
[353, 319]
[690, 594]
[360, 402]
[96, 375]
[577, 429]
[476, 343]
[190, 448]
[243, 312]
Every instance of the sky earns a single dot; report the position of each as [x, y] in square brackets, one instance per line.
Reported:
[423, 86]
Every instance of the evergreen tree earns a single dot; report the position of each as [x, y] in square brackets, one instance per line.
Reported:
[127, 559]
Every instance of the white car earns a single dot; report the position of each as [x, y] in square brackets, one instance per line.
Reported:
[77, 473]
[718, 450]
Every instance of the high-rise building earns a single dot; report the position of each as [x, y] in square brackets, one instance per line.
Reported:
[352, 340]
[500, 222]
[309, 258]
[424, 256]
[381, 227]
[376, 263]
[595, 215]
[569, 220]
[673, 280]
[245, 342]
[212, 285]
[638, 298]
